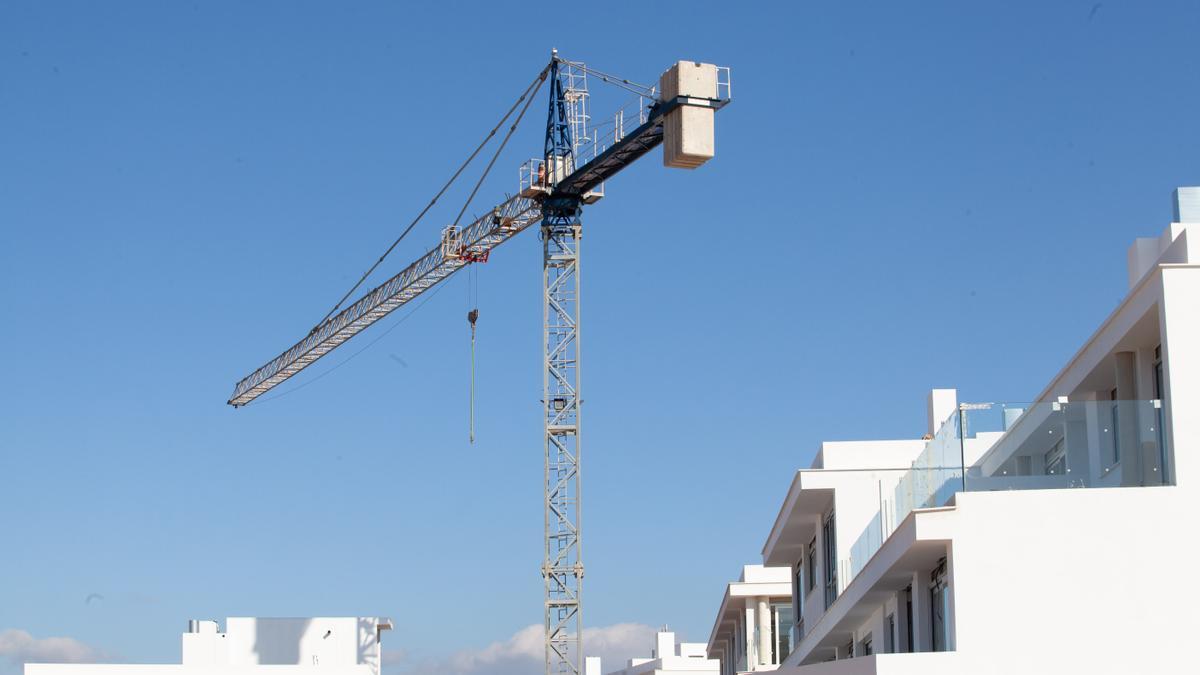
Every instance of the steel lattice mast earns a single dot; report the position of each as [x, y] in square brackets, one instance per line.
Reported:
[562, 569]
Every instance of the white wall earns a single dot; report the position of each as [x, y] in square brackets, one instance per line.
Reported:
[668, 659]
[177, 669]
[929, 663]
[1180, 326]
[260, 645]
[1096, 581]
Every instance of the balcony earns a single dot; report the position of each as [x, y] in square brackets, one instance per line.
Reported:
[1025, 446]
[921, 663]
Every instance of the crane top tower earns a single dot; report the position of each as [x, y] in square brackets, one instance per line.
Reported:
[576, 160]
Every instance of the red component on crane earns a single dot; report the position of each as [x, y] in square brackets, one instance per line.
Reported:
[474, 256]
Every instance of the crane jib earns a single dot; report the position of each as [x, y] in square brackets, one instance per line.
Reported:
[475, 240]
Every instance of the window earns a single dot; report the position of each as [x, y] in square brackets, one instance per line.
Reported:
[829, 558]
[849, 648]
[939, 605]
[1024, 465]
[812, 564]
[1056, 459]
[799, 594]
[737, 647]
[865, 647]
[1114, 454]
[1160, 420]
[781, 624]
[908, 620]
[889, 634]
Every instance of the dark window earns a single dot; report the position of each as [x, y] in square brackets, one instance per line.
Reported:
[811, 567]
[1114, 413]
[829, 559]
[889, 634]
[781, 646]
[739, 646]
[798, 604]
[1160, 420]
[1056, 459]
[908, 620]
[849, 648]
[939, 605]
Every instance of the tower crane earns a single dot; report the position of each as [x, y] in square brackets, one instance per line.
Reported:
[678, 114]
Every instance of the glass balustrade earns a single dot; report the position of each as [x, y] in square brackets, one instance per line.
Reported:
[1023, 446]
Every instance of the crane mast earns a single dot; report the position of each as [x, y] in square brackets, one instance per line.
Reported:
[562, 569]
[553, 191]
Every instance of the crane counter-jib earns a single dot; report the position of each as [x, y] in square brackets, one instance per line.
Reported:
[455, 251]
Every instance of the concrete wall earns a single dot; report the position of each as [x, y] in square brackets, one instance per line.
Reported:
[1180, 326]
[321, 641]
[1053, 581]
[930, 663]
[668, 659]
[1096, 581]
[279, 646]
[897, 454]
[178, 669]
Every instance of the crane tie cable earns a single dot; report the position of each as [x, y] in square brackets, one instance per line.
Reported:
[500, 149]
[541, 77]
[473, 315]
[627, 85]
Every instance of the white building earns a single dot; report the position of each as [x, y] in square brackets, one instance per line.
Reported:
[253, 646]
[1045, 537]
[753, 628]
[666, 658]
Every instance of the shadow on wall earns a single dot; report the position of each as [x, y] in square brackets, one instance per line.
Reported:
[368, 643]
[277, 642]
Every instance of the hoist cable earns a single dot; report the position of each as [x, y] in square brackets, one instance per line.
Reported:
[472, 413]
[528, 91]
[473, 315]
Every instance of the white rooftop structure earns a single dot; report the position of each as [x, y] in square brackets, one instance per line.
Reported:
[1049, 536]
[666, 658]
[260, 646]
[753, 628]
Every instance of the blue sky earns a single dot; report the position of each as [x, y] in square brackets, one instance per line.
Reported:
[905, 196]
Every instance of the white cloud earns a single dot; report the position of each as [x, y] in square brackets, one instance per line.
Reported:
[19, 647]
[523, 653]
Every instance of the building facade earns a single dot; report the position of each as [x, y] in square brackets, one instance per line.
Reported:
[666, 658]
[753, 628]
[1054, 535]
[258, 646]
